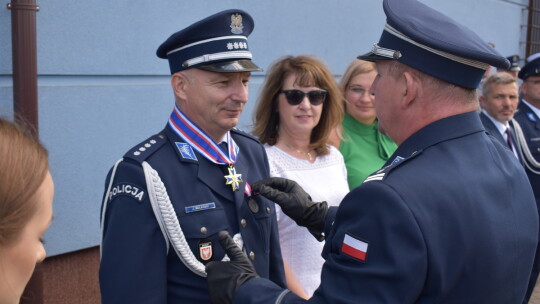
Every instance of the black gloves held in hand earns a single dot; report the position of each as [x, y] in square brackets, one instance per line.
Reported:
[295, 203]
[224, 278]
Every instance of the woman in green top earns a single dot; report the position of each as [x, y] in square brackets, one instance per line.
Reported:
[364, 148]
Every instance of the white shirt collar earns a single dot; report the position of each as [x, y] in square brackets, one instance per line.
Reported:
[499, 125]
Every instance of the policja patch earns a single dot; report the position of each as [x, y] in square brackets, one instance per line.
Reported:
[128, 190]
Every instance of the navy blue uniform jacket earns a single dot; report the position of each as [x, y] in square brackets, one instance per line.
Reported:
[530, 124]
[136, 266]
[450, 219]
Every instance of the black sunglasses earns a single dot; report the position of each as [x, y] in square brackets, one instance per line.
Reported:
[295, 97]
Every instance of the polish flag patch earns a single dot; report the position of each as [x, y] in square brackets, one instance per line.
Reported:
[354, 247]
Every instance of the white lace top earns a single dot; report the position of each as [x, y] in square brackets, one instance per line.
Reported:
[324, 180]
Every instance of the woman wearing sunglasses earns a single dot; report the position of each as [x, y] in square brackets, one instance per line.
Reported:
[299, 106]
[363, 146]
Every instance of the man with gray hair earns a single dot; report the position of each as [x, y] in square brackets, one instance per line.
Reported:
[169, 196]
[499, 102]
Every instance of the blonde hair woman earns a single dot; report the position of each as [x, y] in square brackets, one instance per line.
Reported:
[364, 147]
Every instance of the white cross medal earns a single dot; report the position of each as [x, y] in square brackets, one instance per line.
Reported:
[233, 179]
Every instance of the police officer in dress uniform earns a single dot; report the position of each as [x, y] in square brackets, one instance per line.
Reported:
[528, 135]
[450, 218]
[169, 196]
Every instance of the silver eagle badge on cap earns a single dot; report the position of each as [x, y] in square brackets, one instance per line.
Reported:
[236, 24]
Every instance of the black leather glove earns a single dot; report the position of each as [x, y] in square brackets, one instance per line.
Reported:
[224, 278]
[295, 203]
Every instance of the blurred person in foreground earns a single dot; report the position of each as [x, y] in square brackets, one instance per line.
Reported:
[450, 218]
[26, 195]
[299, 105]
[364, 147]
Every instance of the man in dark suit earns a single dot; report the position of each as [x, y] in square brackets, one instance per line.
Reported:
[499, 102]
[528, 135]
[170, 195]
[450, 218]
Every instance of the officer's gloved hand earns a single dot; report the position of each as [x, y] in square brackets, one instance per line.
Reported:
[295, 203]
[224, 278]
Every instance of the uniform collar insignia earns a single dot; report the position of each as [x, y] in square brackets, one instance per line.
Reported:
[186, 151]
[379, 175]
[397, 160]
[531, 116]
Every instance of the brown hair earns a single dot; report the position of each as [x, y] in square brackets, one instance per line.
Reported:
[23, 167]
[310, 72]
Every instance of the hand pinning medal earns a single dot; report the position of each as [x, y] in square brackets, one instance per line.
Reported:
[233, 179]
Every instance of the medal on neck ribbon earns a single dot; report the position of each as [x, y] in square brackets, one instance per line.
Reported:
[207, 147]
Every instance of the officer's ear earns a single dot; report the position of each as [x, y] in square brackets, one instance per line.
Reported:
[179, 83]
[412, 87]
[523, 87]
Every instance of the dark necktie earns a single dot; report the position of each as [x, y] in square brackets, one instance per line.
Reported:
[509, 139]
[223, 146]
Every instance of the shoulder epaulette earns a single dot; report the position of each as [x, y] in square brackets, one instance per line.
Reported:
[142, 151]
[383, 173]
[245, 134]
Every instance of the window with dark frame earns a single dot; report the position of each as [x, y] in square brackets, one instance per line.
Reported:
[533, 28]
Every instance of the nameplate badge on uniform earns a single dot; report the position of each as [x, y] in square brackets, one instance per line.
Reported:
[531, 116]
[205, 249]
[354, 247]
[186, 151]
[200, 207]
[127, 190]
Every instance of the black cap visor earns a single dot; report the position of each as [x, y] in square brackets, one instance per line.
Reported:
[230, 66]
[372, 57]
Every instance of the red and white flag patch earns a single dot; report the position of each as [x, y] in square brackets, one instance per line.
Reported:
[247, 190]
[354, 247]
